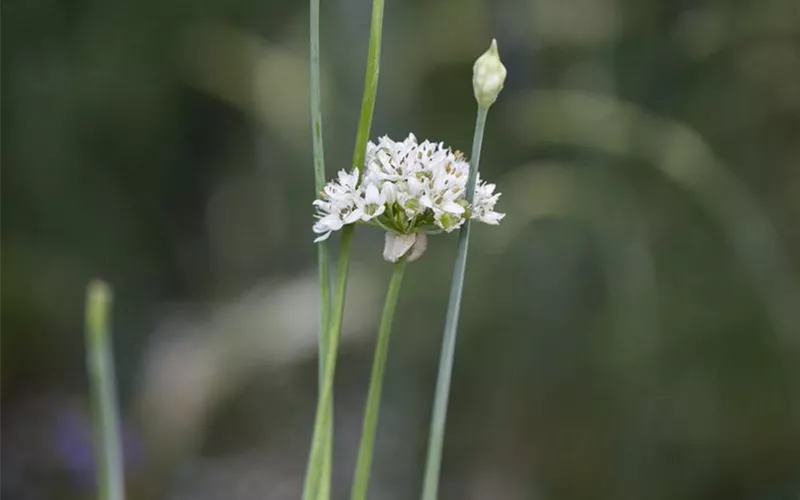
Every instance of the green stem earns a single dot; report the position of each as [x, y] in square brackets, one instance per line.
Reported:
[100, 364]
[436, 441]
[370, 84]
[316, 99]
[323, 249]
[322, 419]
[315, 484]
[365, 450]
[319, 170]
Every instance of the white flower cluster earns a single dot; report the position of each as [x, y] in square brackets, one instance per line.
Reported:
[408, 189]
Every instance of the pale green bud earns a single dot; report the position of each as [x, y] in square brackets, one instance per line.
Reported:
[488, 76]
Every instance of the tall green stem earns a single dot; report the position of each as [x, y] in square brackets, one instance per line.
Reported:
[370, 84]
[365, 450]
[313, 486]
[100, 364]
[322, 421]
[317, 484]
[323, 249]
[436, 440]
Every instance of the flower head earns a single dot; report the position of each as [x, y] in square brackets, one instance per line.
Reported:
[408, 189]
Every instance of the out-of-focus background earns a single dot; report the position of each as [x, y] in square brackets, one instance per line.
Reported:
[630, 331]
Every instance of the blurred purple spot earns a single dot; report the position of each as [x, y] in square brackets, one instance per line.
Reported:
[73, 442]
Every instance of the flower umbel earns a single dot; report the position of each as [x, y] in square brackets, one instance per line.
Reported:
[409, 189]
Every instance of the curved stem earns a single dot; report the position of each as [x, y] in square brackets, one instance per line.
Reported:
[100, 364]
[367, 446]
[433, 463]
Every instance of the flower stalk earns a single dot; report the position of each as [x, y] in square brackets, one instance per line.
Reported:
[488, 78]
[323, 250]
[372, 407]
[313, 483]
[100, 364]
[370, 83]
[317, 484]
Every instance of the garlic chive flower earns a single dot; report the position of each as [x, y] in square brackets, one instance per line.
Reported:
[409, 189]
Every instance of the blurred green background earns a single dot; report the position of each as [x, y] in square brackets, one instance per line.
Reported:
[630, 331]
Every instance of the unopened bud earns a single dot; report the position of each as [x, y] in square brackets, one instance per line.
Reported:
[488, 76]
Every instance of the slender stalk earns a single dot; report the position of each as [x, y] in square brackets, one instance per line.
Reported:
[100, 364]
[370, 84]
[323, 249]
[436, 440]
[365, 450]
[322, 420]
[315, 484]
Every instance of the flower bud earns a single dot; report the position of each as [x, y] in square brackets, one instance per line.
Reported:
[488, 76]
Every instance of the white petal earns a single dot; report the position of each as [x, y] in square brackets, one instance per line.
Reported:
[348, 181]
[452, 207]
[322, 237]
[353, 216]
[425, 201]
[397, 245]
[330, 189]
[389, 192]
[322, 205]
[414, 186]
[372, 195]
[378, 211]
[492, 218]
[332, 221]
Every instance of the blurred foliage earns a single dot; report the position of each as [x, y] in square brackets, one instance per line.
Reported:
[630, 331]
